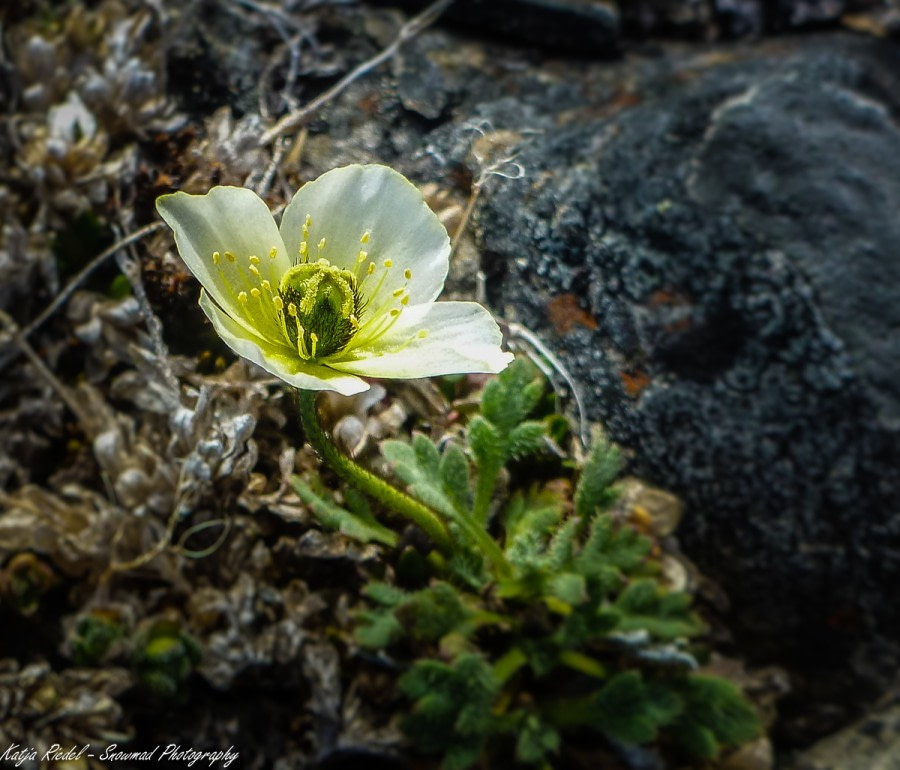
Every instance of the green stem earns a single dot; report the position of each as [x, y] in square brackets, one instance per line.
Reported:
[373, 486]
[509, 664]
[481, 539]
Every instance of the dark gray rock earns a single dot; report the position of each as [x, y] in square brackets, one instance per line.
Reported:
[684, 18]
[588, 27]
[734, 240]
[733, 18]
[872, 742]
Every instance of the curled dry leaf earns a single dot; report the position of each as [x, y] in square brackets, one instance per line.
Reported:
[40, 707]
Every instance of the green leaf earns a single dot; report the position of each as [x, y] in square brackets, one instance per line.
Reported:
[385, 594]
[716, 715]
[419, 467]
[562, 546]
[359, 526]
[595, 485]
[629, 710]
[536, 511]
[697, 740]
[377, 629]
[433, 612]
[487, 445]
[568, 587]
[528, 438]
[94, 634]
[644, 605]
[509, 399]
[505, 404]
[452, 710]
[468, 567]
[608, 546]
[402, 455]
[535, 740]
[585, 624]
[427, 455]
[454, 473]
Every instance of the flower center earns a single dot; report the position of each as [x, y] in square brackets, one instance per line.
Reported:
[321, 308]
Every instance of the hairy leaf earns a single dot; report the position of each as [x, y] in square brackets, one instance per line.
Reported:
[631, 711]
[644, 606]
[715, 715]
[452, 710]
[599, 472]
[528, 438]
[361, 525]
[419, 467]
[454, 473]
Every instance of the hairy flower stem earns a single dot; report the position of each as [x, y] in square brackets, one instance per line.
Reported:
[394, 499]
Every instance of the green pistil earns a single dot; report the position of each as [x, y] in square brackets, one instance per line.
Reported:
[322, 303]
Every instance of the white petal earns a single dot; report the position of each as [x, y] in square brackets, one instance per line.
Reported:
[345, 203]
[231, 219]
[276, 359]
[461, 337]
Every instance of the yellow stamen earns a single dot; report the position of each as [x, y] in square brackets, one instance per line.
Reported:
[405, 300]
[371, 268]
[292, 310]
[407, 274]
[388, 263]
[279, 303]
[266, 285]
[255, 293]
[230, 257]
[254, 260]
[273, 252]
[242, 296]
[314, 338]
[365, 237]
[216, 258]
[321, 244]
[255, 270]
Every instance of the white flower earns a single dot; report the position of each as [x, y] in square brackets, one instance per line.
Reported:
[346, 287]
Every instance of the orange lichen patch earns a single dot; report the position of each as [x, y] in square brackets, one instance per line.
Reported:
[564, 312]
[667, 297]
[682, 324]
[634, 382]
[677, 305]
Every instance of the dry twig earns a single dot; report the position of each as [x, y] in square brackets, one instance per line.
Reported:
[17, 336]
[408, 31]
[60, 299]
